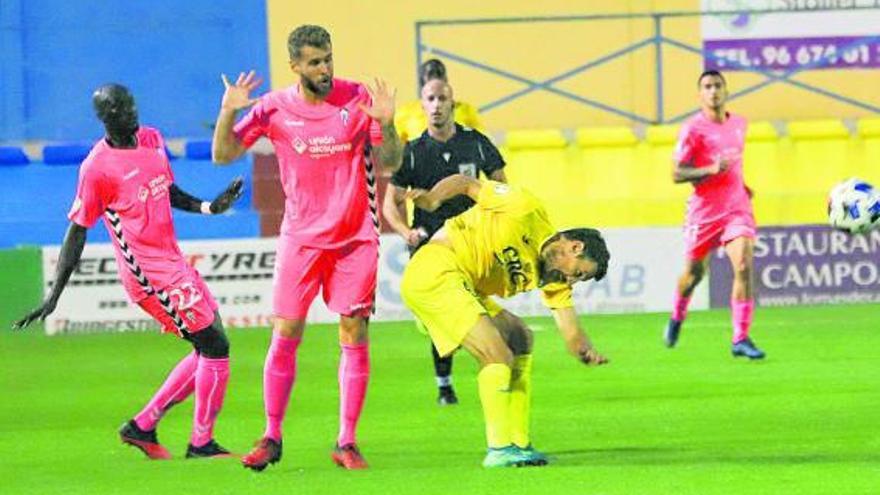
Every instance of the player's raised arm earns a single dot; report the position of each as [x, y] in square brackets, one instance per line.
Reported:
[71, 251]
[446, 189]
[390, 153]
[226, 147]
[182, 200]
[576, 339]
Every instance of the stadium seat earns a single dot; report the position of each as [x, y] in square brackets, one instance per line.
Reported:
[65, 154]
[867, 158]
[605, 137]
[868, 128]
[663, 200]
[662, 134]
[12, 155]
[818, 154]
[764, 172]
[198, 150]
[817, 129]
[530, 139]
[607, 165]
[761, 131]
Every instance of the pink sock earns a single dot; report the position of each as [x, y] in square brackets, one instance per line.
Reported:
[177, 387]
[279, 373]
[742, 318]
[354, 373]
[211, 378]
[680, 307]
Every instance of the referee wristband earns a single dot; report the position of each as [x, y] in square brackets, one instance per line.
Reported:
[206, 208]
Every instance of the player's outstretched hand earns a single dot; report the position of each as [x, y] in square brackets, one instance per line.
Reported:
[238, 96]
[383, 102]
[225, 200]
[40, 313]
[592, 358]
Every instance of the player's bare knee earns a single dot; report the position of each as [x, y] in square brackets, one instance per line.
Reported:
[289, 329]
[497, 354]
[352, 330]
[742, 270]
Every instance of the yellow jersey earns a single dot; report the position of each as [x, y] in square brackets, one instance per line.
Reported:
[497, 244]
[410, 120]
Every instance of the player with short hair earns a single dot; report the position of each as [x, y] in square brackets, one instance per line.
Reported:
[327, 133]
[126, 180]
[709, 155]
[410, 119]
[444, 148]
[502, 246]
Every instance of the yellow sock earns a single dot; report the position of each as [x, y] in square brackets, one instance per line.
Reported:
[494, 385]
[520, 400]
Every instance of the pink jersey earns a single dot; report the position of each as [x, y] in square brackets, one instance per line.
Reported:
[702, 142]
[134, 183]
[321, 152]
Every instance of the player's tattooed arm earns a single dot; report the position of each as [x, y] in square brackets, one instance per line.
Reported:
[182, 200]
[576, 340]
[444, 190]
[71, 251]
[686, 172]
[390, 154]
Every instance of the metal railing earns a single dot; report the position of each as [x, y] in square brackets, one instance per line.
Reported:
[657, 40]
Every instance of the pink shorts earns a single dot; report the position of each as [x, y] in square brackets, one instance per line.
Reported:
[700, 238]
[347, 275]
[191, 299]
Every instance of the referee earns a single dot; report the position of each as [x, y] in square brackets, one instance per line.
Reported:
[445, 148]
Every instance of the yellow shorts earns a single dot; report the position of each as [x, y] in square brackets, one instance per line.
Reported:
[442, 298]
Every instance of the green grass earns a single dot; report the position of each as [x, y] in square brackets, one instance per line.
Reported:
[654, 421]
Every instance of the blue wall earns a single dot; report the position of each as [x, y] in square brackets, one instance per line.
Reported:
[37, 197]
[53, 53]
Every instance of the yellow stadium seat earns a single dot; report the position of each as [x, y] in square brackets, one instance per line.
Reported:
[662, 134]
[761, 131]
[868, 128]
[817, 129]
[607, 178]
[762, 169]
[529, 139]
[589, 137]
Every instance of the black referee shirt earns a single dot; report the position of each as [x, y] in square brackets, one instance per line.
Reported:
[427, 161]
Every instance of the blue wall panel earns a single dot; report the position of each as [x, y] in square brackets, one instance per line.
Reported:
[170, 53]
[37, 197]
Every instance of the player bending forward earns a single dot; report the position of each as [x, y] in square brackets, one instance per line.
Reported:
[502, 246]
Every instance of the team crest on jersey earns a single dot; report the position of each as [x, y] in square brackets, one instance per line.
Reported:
[299, 145]
[143, 193]
[343, 114]
[468, 169]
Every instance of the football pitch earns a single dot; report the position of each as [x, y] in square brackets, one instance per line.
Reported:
[655, 421]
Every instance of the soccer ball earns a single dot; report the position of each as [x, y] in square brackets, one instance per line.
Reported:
[854, 206]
